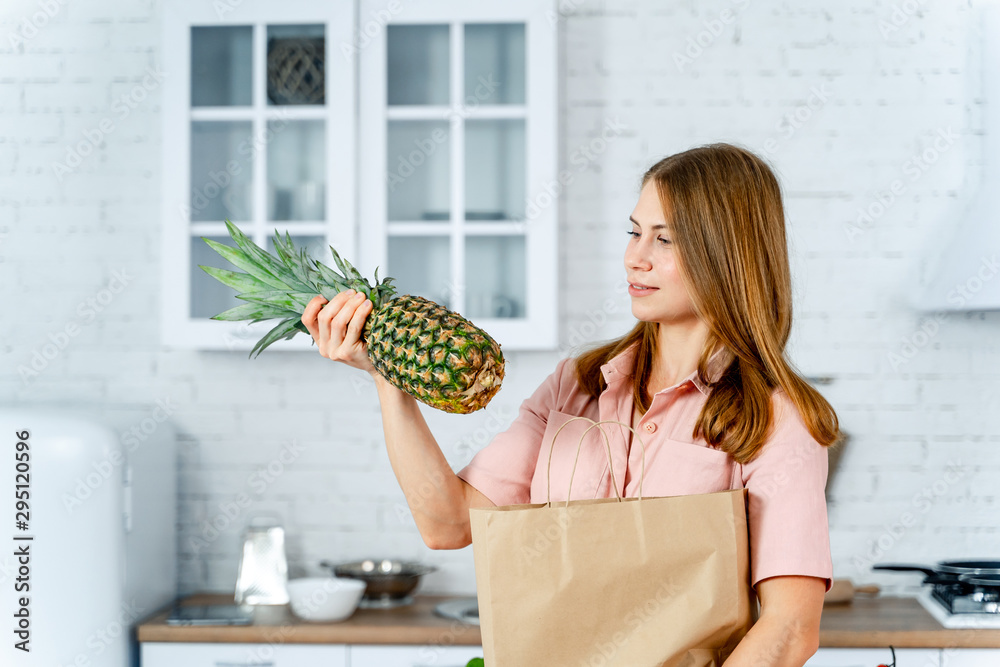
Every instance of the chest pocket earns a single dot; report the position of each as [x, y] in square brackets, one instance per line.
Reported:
[676, 468]
[589, 468]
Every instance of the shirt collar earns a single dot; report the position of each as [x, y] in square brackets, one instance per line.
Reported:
[621, 365]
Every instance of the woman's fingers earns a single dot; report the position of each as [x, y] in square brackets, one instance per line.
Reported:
[333, 322]
[337, 326]
[323, 322]
[355, 352]
[310, 313]
[357, 323]
[336, 329]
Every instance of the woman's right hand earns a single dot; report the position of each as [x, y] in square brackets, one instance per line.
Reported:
[336, 327]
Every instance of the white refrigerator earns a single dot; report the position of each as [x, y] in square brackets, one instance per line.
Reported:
[89, 509]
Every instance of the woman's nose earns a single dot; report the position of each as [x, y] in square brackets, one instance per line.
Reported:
[635, 257]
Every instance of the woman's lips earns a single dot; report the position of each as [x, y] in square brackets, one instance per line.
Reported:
[635, 291]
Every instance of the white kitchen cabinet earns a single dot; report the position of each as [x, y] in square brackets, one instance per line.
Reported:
[970, 657]
[258, 129]
[459, 182]
[413, 656]
[452, 148]
[172, 654]
[871, 657]
[176, 654]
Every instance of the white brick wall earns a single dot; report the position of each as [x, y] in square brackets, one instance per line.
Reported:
[883, 101]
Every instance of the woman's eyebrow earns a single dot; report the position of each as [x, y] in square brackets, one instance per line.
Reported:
[653, 227]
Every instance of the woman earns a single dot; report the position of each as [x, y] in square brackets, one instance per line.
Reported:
[702, 374]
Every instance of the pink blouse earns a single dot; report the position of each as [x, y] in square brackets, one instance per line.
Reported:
[787, 520]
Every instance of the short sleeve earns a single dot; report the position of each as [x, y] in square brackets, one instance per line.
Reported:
[502, 470]
[787, 517]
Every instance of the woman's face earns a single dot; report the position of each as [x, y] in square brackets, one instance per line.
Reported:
[651, 261]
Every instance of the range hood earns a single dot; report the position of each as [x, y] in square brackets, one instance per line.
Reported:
[967, 275]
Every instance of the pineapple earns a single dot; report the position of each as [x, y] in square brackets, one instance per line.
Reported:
[435, 355]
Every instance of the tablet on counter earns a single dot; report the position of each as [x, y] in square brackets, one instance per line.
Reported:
[210, 614]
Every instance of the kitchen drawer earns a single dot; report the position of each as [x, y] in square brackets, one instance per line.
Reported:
[413, 656]
[970, 657]
[171, 654]
[871, 657]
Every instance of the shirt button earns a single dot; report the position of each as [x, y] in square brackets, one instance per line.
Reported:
[650, 427]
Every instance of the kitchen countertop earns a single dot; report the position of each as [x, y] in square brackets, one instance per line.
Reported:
[867, 622]
[412, 624]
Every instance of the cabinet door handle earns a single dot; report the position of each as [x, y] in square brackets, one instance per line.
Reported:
[222, 663]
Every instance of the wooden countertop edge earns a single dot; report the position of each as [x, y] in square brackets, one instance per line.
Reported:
[942, 639]
[416, 624]
[901, 622]
[318, 634]
[904, 624]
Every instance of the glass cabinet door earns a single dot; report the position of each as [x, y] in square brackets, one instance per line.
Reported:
[258, 145]
[421, 266]
[495, 62]
[455, 215]
[221, 66]
[458, 166]
[495, 276]
[221, 178]
[296, 170]
[296, 58]
[418, 185]
[417, 65]
[495, 168]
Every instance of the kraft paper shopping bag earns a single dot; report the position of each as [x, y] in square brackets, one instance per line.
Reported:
[624, 582]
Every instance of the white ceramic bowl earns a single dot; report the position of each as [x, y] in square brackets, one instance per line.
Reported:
[324, 598]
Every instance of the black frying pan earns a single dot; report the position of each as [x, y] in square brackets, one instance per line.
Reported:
[983, 580]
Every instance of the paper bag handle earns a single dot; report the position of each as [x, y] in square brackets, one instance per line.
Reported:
[607, 444]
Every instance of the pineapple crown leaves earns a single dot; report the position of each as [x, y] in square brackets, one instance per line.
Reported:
[280, 288]
[350, 278]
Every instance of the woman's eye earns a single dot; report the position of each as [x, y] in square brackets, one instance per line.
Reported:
[659, 238]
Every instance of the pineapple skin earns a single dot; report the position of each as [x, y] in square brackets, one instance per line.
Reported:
[434, 354]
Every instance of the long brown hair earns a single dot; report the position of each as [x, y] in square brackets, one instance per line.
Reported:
[722, 205]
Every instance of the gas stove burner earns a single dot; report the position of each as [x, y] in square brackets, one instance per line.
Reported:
[973, 593]
[979, 601]
[942, 614]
